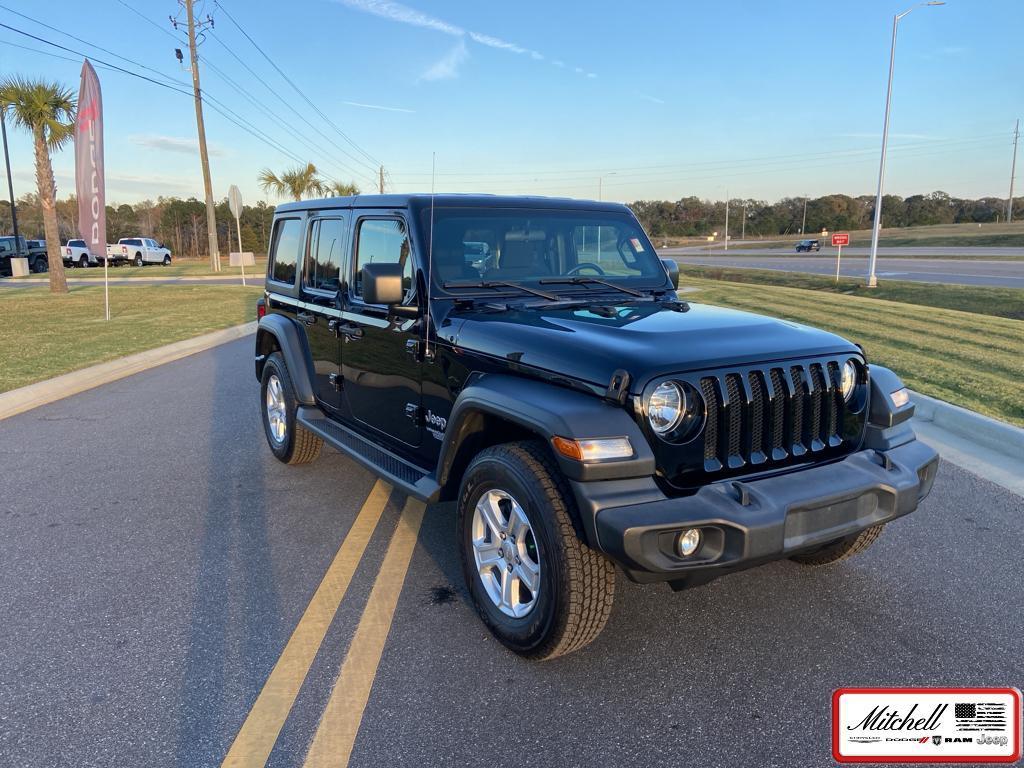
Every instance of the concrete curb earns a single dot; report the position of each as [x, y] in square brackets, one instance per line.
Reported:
[990, 433]
[256, 279]
[34, 395]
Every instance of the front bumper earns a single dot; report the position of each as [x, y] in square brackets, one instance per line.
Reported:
[749, 523]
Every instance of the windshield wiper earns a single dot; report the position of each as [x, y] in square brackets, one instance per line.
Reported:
[498, 284]
[592, 280]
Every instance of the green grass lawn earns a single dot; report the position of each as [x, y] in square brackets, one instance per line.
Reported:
[973, 360]
[938, 235]
[44, 335]
[998, 302]
[178, 268]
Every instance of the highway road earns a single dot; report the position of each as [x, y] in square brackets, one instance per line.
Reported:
[156, 560]
[36, 282]
[1002, 273]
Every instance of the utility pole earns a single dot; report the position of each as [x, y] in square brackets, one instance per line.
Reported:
[382, 179]
[204, 157]
[10, 183]
[803, 224]
[1013, 172]
[743, 227]
[727, 219]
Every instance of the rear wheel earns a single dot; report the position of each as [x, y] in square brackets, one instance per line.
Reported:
[39, 266]
[539, 589]
[83, 262]
[290, 442]
[841, 549]
[138, 260]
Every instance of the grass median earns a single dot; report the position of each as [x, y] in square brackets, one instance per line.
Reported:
[177, 268]
[44, 335]
[973, 360]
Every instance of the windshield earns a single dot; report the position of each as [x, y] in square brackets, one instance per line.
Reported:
[534, 245]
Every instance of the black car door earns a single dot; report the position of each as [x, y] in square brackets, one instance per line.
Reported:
[379, 357]
[321, 273]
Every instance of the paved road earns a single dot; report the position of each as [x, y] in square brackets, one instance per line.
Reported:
[751, 248]
[1007, 274]
[151, 581]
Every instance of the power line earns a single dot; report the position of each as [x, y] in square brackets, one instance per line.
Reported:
[305, 98]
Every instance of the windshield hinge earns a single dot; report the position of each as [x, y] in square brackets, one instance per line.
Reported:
[618, 387]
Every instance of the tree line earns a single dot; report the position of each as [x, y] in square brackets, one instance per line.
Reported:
[692, 216]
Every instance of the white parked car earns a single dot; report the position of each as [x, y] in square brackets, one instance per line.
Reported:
[77, 254]
[139, 251]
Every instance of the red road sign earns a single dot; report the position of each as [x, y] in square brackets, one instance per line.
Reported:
[840, 238]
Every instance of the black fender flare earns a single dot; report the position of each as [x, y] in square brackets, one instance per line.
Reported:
[548, 410]
[888, 423]
[294, 347]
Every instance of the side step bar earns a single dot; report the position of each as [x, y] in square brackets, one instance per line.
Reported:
[412, 480]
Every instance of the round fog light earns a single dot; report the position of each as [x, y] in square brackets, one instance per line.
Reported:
[688, 542]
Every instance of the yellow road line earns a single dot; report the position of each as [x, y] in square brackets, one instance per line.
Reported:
[336, 733]
[259, 732]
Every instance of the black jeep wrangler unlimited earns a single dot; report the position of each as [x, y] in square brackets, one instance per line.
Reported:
[579, 413]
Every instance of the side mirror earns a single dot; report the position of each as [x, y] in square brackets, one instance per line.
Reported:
[382, 284]
[673, 271]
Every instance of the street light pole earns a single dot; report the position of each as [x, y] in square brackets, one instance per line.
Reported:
[726, 220]
[877, 225]
[10, 183]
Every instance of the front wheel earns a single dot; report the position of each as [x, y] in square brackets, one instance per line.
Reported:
[539, 589]
[841, 549]
[39, 266]
[167, 261]
[290, 442]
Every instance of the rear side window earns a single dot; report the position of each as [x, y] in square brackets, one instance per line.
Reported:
[77, 243]
[322, 270]
[287, 239]
[382, 241]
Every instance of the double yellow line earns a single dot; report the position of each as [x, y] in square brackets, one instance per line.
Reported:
[339, 724]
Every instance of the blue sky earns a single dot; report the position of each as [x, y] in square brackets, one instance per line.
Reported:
[656, 99]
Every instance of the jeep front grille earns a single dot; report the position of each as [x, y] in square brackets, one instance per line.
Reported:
[771, 414]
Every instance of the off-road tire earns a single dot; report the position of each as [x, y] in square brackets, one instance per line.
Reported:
[300, 446]
[577, 583]
[841, 549]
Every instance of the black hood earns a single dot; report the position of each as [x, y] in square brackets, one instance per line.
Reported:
[646, 339]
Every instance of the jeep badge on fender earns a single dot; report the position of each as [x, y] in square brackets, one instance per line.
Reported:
[529, 359]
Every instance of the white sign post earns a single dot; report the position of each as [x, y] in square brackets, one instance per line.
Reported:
[235, 204]
[839, 239]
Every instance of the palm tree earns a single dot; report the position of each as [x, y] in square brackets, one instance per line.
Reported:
[47, 109]
[296, 182]
[341, 189]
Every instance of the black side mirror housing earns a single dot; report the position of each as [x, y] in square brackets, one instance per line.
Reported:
[382, 284]
[673, 271]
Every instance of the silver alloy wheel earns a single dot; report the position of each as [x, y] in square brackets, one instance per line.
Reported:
[505, 552]
[277, 413]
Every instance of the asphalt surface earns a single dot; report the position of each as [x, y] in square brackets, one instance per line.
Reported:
[155, 560]
[972, 271]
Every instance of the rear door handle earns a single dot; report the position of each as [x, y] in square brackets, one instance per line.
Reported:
[351, 331]
[306, 318]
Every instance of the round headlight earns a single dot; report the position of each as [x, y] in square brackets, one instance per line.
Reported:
[849, 381]
[666, 407]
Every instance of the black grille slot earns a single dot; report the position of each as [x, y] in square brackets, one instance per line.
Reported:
[757, 408]
[732, 385]
[835, 401]
[707, 389]
[817, 405]
[778, 408]
[799, 395]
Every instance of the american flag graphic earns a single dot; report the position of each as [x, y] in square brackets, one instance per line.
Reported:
[980, 716]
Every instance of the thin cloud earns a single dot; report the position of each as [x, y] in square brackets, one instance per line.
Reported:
[447, 67]
[177, 144]
[380, 107]
[403, 14]
[652, 99]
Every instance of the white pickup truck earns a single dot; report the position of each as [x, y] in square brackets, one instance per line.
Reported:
[139, 251]
[77, 254]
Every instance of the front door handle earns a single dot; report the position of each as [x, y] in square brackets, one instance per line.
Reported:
[351, 331]
[306, 318]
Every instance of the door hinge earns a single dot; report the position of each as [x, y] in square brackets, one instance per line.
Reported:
[414, 412]
[412, 346]
[335, 380]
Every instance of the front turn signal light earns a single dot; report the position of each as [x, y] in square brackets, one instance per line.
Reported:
[900, 397]
[595, 449]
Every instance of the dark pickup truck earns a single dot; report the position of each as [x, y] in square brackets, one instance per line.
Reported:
[33, 250]
[580, 415]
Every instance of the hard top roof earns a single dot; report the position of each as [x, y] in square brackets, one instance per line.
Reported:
[450, 200]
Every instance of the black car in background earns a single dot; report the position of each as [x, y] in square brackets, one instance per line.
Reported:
[805, 246]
